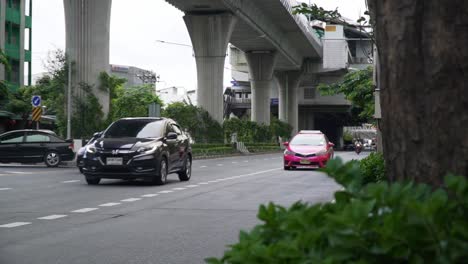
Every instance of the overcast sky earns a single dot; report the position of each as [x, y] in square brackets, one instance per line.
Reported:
[135, 27]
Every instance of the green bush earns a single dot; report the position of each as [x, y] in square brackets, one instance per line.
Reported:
[202, 128]
[248, 131]
[373, 168]
[373, 223]
[212, 151]
[255, 149]
[209, 145]
[347, 137]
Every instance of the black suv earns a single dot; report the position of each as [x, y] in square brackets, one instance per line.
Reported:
[143, 147]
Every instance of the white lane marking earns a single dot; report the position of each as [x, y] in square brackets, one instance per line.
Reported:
[246, 161]
[191, 186]
[212, 181]
[17, 172]
[109, 204]
[51, 217]
[165, 191]
[150, 195]
[178, 189]
[129, 200]
[203, 183]
[234, 162]
[71, 181]
[15, 224]
[219, 164]
[4, 189]
[265, 159]
[84, 210]
[203, 166]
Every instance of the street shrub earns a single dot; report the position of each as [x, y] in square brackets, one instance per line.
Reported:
[248, 131]
[209, 145]
[256, 149]
[197, 152]
[366, 223]
[202, 128]
[373, 168]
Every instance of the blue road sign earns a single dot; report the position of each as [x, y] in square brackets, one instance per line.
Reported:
[36, 100]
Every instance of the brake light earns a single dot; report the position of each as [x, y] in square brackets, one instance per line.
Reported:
[71, 146]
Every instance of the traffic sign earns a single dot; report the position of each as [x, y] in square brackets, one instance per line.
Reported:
[36, 100]
[36, 114]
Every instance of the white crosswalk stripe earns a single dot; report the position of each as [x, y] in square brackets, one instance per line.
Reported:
[51, 217]
[15, 224]
[84, 210]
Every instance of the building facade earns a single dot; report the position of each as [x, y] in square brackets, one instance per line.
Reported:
[16, 41]
[135, 76]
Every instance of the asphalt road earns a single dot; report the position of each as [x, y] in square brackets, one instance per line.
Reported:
[51, 215]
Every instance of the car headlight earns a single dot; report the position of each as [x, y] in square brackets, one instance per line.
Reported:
[91, 149]
[147, 150]
[321, 153]
[288, 152]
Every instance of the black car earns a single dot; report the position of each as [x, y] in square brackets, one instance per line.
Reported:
[33, 146]
[131, 148]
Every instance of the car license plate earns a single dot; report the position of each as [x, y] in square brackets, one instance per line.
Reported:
[305, 161]
[114, 161]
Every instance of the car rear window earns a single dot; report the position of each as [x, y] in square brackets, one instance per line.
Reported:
[135, 129]
[308, 140]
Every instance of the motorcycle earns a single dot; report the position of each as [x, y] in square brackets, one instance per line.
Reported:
[358, 147]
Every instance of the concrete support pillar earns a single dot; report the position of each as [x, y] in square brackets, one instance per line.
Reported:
[87, 44]
[210, 34]
[283, 84]
[261, 65]
[288, 83]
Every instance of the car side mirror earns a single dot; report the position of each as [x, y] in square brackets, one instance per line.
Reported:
[171, 135]
[285, 144]
[331, 144]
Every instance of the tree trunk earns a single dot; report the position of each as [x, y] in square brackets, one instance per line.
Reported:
[423, 53]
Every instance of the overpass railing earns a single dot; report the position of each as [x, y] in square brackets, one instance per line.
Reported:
[301, 20]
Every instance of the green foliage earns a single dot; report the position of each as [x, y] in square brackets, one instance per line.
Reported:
[201, 126]
[373, 168]
[374, 223]
[280, 129]
[318, 13]
[358, 87]
[87, 117]
[347, 137]
[4, 93]
[200, 152]
[132, 101]
[51, 88]
[209, 145]
[248, 131]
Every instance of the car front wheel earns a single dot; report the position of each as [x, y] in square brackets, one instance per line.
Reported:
[52, 159]
[160, 177]
[186, 172]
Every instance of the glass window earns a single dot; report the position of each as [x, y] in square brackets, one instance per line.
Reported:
[148, 128]
[16, 137]
[308, 140]
[37, 138]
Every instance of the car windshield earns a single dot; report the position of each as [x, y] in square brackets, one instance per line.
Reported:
[135, 129]
[308, 140]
